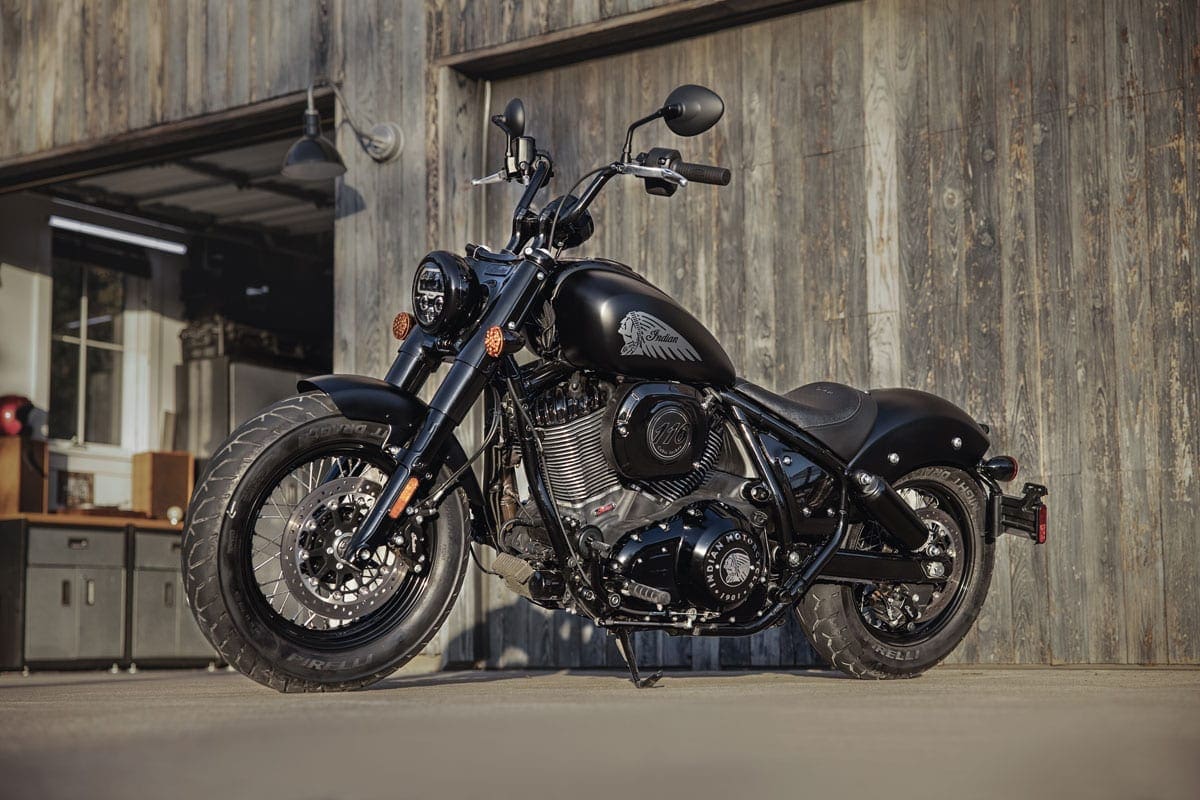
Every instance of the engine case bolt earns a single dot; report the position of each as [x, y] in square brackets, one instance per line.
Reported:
[894, 458]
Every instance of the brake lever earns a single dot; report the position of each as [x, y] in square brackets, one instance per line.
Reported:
[500, 176]
[662, 173]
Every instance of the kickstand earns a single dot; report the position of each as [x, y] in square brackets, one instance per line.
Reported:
[625, 648]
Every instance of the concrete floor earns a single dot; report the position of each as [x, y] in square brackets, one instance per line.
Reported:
[1058, 733]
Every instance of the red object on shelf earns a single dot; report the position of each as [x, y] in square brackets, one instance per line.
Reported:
[14, 414]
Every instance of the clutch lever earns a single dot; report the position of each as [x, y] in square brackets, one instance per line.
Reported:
[500, 176]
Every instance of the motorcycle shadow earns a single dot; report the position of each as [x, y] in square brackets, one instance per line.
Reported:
[466, 677]
[518, 641]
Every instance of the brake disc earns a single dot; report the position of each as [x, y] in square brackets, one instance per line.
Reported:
[901, 608]
[312, 552]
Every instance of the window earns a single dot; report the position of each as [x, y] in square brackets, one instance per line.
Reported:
[86, 350]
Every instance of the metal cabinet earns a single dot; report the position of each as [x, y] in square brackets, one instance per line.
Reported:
[163, 626]
[75, 595]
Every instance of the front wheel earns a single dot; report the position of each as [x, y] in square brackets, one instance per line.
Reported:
[896, 630]
[264, 562]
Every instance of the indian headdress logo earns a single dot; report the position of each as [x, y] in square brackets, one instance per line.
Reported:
[647, 335]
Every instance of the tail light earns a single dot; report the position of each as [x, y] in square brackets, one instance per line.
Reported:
[1042, 516]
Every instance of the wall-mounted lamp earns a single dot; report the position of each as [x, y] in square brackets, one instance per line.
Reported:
[314, 158]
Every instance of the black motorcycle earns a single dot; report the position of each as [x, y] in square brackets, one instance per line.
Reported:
[627, 473]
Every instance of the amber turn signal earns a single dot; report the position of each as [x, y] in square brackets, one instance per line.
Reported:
[493, 341]
[402, 325]
[406, 494]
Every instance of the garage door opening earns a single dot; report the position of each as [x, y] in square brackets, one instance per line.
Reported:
[163, 297]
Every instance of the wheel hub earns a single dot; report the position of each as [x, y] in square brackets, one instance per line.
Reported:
[901, 608]
[313, 552]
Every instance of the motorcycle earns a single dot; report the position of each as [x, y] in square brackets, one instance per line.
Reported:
[626, 473]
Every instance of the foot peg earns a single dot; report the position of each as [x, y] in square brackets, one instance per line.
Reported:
[625, 648]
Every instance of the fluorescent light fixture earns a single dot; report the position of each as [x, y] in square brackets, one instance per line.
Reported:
[67, 224]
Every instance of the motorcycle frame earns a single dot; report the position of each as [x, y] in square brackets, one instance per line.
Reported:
[415, 363]
[419, 446]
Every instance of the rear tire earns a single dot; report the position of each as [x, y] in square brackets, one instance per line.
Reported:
[830, 613]
[231, 608]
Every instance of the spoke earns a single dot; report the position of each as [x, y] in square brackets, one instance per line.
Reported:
[268, 561]
[277, 509]
[277, 542]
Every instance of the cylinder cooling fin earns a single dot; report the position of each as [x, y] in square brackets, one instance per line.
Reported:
[570, 417]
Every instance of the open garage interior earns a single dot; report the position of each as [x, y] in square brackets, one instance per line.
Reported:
[157, 301]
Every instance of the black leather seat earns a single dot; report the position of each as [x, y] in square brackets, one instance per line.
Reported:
[839, 416]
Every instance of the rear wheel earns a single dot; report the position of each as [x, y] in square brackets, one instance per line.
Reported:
[265, 567]
[897, 630]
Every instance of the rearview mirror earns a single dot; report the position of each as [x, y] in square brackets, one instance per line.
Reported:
[512, 121]
[691, 110]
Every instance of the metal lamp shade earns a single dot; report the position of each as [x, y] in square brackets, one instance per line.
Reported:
[313, 158]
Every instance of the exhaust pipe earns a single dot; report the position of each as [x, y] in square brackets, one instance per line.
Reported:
[888, 507]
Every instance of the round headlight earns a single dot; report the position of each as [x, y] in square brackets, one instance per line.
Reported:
[445, 293]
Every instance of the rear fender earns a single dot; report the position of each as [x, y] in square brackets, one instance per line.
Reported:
[916, 429]
[367, 399]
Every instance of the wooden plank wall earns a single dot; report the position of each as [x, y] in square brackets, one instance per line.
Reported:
[84, 70]
[994, 201]
[463, 25]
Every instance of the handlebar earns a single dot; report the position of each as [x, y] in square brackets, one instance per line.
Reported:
[703, 173]
[663, 166]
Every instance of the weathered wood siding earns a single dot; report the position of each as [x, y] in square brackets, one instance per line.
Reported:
[465, 25]
[83, 70]
[992, 201]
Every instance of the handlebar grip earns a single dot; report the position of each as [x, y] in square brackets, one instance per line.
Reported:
[703, 173]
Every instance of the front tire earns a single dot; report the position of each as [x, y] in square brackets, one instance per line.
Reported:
[324, 641]
[850, 637]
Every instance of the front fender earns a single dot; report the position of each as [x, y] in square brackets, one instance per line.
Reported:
[368, 399]
[920, 429]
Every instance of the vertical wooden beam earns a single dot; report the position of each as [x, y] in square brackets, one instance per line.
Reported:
[1180, 487]
[1095, 356]
[1171, 324]
[1019, 428]
[880, 20]
[174, 58]
[1138, 410]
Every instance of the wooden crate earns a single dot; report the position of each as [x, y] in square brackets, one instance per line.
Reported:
[24, 465]
[162, 480]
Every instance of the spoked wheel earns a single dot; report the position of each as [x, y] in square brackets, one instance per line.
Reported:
[266, 567]
[298, 547]
[897, 630]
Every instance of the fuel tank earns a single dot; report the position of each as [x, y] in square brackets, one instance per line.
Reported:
[613, 321]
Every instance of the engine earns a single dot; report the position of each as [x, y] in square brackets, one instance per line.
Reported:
[619, 455]
[705, 557]
[636, 465]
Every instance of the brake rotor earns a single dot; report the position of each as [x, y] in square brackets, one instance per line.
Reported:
[316, 569]
[901, 608]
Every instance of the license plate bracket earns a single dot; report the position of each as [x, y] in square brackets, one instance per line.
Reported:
[1021, 515]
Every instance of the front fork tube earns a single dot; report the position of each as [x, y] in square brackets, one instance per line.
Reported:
[414, 362]
[465, 381]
